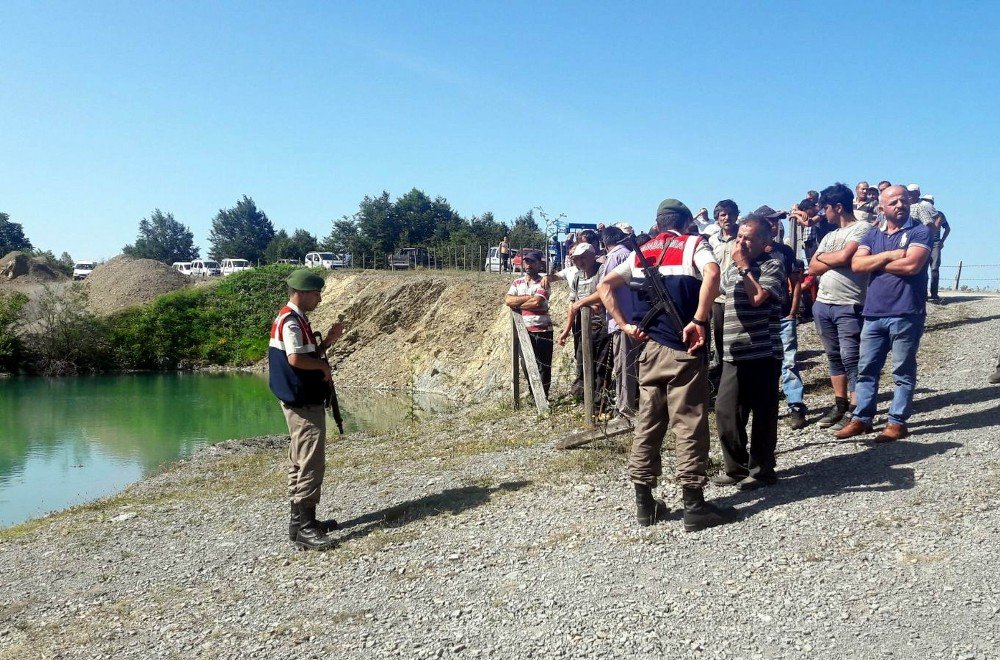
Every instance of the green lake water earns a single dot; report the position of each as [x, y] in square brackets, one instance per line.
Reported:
[66, 441]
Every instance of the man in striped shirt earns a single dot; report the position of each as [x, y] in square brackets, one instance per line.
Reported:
[528, 297]
[755, 287]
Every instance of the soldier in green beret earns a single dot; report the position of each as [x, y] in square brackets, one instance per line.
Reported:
[298, 377]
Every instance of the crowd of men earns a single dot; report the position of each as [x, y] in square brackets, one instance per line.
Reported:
[867, 267]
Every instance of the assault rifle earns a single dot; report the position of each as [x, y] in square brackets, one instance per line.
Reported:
[330, 400]
[660, 298]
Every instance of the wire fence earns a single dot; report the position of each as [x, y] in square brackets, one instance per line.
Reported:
[970, 277]
[471, 257]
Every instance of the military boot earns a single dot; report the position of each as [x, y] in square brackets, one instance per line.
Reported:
[699, 514]
[311, 534]
[294, 522]
[649, 510]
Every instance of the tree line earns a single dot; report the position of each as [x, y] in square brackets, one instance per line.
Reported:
[380, 226]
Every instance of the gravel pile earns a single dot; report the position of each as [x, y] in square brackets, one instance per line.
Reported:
[26, 270]
[471, 537]
[124, 282]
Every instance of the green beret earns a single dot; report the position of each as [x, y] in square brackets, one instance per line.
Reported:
[675, 206]
[303, 280]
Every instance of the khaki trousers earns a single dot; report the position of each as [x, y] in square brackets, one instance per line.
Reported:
[306, 452]
[673, 395]
[626, 354]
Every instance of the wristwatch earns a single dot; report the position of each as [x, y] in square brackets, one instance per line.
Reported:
[703, 324]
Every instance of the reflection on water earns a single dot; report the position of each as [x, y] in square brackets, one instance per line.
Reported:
[69, 440]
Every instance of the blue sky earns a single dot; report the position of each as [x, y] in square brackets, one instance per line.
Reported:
[595, 110]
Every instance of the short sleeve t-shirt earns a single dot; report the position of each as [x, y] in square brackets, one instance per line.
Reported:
[924, 213]
[749, 332]
[535, 320]
[841, 285]
[897, 295]
[722, 250]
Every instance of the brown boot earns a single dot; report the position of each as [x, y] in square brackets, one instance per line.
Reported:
[853, 428]
[892, 432]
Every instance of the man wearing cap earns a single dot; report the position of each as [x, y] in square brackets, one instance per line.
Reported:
[298, 377]
[530, 299]
[582, 283]
[922, 210]
[895, 310]
[673, 376]
[624, 351]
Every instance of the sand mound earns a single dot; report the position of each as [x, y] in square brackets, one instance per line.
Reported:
[124, 282]
[19, 266]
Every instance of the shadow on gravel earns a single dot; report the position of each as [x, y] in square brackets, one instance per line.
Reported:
[453, 500]
[948, 325]
[876, 468]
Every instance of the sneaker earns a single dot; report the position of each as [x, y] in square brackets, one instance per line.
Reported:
[841, 424]
[995, 378]
[832, 416]
[797, 419]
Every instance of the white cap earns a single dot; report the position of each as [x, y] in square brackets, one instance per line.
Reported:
[927, 198]
[581, 248]
[913, 187]
[625, 227]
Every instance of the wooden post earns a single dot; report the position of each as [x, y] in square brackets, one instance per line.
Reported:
[530, 364]
[587, 353]
[515, 354]
[958, 275]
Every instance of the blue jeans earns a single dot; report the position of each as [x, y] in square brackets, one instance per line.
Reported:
[839, 327]
[901, 335]
[791, 381]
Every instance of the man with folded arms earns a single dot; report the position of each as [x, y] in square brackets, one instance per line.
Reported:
[896, 257]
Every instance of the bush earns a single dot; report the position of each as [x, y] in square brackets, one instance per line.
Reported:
[227, 325]
[65, 337]
[11, 346]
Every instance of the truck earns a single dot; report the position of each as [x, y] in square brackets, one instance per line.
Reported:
[230, 266]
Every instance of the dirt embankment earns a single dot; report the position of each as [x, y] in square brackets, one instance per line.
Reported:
[19, 270]
[124, 281]
[435, 332]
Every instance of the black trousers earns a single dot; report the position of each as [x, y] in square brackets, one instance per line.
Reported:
[748, 386]
[541, 346]
[718, 311]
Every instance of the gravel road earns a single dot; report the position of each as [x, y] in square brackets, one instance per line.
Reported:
[472, 537]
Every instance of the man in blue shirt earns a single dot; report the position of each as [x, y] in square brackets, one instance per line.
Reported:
[895, 310]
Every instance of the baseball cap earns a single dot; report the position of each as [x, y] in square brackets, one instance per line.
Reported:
[913, 187]
[581, 248]
[927, 198]
[534, 255]
[625, 227]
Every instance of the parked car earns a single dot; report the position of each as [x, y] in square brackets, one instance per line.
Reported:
[183, 267]
[82, 268]
[294, 262]
[205, 268]
[329, 260]
[230, 266]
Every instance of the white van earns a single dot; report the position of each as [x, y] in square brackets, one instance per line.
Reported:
[82, 268]
[230, 266]
[182, 267]
[327, 260]
[205, 268]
